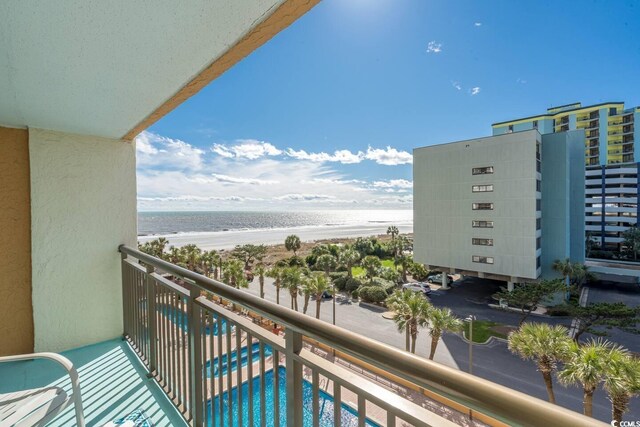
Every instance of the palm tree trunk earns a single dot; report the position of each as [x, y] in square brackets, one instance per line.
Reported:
[414, 338]
[407, 339]
[278, 294]
[318, 301]
[619, 406]
[587, 401]
[434, 344]
[546, 375]
[262, 287]
[349, 272]
[306, 304]
[292, 301]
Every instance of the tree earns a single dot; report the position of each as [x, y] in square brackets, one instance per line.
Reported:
[207, 262]
[216, 261]
[404, 262]
[371, 265]
[249, 253]
[545, 344]
[632, 241]
[393, 231]
[349, 257]
[607, 314]
[527, 296]
[191, 256]
[622, 381]
[292, 278]
[364, 246]
[154, 247]
[261, 270]
[318, 284]
[276, 273]
[586, 366]
[441, 320]
[411, 311]
[234, 274]
[574, 273]
[292, 243]
[326, 263]
[418, 271]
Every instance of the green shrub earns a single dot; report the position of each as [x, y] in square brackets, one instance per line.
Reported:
[388, 285]
[559, 310]
[355, 294]
[374, 294]
[296, 261]
[337, 274]
[340, 283]
[352, 284]
[418, 271]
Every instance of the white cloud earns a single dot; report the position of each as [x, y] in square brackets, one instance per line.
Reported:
[341, 156]
[434, 47]
[393, 183]
[153, 150]
[236, 180]
[477, 24]
[389, 157]
[521, 81]
[474, 90]
[456, 85]
[304, 197]
[246, 149]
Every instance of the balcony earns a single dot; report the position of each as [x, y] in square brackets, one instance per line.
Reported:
[179, 366]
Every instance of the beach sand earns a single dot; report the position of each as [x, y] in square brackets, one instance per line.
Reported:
[229, 239]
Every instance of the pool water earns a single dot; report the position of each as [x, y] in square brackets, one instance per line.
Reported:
[244, 359]
[179, 318]
[349, 416]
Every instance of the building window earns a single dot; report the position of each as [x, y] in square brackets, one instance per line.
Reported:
[482, 224]
[538, 223]
[482, 206]
[538, 204]
[538, 185]
[538, 150]
[482, 259]
[482, 188]
[482, 171]
[538, 243]
[538, 166]
[612, 111]
[482, 242]
[538, 262]
[535, 124]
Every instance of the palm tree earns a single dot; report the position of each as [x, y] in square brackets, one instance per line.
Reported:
[234, 274]
[564, 267]
[318, 284]
[404, 262]
[622, 380]
[175, 256]
[545, 344]
[275, 273]
[393, 231]
[326, 263]
[292, 278]
[441, 320]
[261, 270]
[349, 257]
[191, 256]
[411, 311]
[586, 366]
[292, 243]
[372, 266]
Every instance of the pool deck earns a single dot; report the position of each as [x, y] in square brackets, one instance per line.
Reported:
[112, 380]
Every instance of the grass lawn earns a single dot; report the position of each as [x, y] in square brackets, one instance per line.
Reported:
[483, 329]
[359, 271]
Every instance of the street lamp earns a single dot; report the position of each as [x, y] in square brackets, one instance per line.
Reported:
[470, 319]
[334, 303]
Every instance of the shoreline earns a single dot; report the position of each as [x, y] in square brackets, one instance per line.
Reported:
[222, 240]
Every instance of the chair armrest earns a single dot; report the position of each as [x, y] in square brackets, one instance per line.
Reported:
[67, 365]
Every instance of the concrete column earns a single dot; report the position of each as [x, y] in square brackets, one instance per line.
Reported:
[510, 286]
[445, 281]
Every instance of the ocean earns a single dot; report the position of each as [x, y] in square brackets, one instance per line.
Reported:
[221, 230]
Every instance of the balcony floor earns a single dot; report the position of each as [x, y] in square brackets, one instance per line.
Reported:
[112, 380]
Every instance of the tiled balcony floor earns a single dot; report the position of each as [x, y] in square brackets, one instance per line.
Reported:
[112, 380]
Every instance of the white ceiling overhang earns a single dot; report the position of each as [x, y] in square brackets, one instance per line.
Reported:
[103, 67]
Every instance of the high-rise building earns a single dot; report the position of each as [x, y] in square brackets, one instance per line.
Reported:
[610, 132]
[503, 207]
[611, 158]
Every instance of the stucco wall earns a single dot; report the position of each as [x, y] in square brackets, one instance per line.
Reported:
[443, 201]
[83, 205]
[16, 319]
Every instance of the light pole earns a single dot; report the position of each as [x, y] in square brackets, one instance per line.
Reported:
[470, 319]
[334, 303]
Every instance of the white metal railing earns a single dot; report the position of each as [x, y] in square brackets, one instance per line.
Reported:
[222, 367]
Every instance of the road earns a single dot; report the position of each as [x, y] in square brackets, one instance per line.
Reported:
[496, 363]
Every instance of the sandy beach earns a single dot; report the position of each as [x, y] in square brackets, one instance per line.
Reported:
[229, 239]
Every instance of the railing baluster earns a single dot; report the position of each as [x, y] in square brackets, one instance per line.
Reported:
[185, 355]
[250, 380]
[275, 357]
[391, 419]
[362, 411]
[151, 318]
[293, 341]
[337, 403]
[228, 371]
[263, 404]
[315, 380]
[220, 382]
[203, 358]
[195, 365]
[212, 390]
[190, 399]
[239, 371]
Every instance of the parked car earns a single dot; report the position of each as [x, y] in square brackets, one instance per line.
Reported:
[437, 278]
[418, 287]
[326, 295]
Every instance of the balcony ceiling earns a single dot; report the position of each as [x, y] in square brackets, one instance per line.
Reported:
[111, 68]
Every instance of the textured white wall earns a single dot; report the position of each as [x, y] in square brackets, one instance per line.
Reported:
[83, 205]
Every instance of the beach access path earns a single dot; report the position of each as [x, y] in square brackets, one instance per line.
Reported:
[366, 320]
[229, 239]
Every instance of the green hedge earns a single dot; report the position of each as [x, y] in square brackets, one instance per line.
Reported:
[374, 294]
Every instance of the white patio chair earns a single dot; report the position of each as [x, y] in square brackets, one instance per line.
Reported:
[38, 406]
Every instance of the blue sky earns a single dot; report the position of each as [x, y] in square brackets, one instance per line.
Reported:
[326, 114]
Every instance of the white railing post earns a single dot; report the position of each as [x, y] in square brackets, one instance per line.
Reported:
[151, 318]
[125, 305]
[293, 347]
[195, 362]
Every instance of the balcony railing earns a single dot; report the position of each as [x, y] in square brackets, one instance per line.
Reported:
[191, 346]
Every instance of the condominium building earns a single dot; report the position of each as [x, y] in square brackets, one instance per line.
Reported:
[611, 158]
[610, 133]
[503, 207]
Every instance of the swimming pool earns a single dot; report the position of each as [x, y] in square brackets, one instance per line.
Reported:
[180, 318]
[244, 359]
[349, 416]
